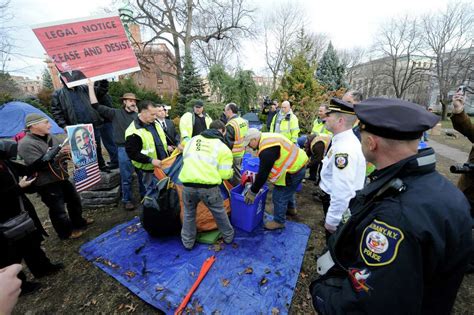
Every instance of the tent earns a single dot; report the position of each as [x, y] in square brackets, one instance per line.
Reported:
[253, 120]
[12, 119]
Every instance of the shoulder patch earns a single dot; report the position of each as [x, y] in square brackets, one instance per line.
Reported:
[379, 243]
[341, 160]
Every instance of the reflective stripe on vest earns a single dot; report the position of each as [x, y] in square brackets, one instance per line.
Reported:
[240, 131]
[288, 154]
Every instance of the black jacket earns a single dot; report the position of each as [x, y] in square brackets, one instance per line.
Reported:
[402, 253]
[11, 192]
[172, 136]
[62, 108]
[120, 119]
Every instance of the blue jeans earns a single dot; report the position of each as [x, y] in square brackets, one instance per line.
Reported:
[284, 196]
[126, 171]
[107, 135]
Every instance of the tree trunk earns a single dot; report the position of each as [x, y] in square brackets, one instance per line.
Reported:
[444, 109]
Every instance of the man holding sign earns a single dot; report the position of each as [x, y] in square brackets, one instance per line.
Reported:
[46, 155]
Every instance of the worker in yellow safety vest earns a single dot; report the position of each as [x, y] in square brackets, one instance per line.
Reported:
[145, 143]
[192, 124]
[236, 130]
[286, 123]
[206, 162]
[283, 163]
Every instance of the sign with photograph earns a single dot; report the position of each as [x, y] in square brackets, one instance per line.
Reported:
[93, 47]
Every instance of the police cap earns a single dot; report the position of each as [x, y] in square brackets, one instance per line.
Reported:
[339, 106]
[393, 118]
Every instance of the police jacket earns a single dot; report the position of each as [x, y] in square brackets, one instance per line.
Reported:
[342, 173]
[462, 123]
[403, 246]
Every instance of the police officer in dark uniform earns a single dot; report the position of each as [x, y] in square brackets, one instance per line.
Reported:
[405, 240]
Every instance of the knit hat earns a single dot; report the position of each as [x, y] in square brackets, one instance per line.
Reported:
[33, 119]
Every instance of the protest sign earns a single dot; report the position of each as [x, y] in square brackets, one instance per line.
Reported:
[84, 155]
[93, 47]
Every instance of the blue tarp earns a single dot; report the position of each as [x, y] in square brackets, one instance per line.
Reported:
[12, 119]
[161, 271]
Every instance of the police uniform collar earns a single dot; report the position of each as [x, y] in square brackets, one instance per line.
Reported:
[423, 162]
[343, 134]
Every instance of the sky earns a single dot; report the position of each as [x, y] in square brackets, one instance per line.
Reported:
[348, 24]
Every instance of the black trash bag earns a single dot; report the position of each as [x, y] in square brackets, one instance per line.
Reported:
[161, 210]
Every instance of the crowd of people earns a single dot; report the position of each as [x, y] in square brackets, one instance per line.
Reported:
[388, 249]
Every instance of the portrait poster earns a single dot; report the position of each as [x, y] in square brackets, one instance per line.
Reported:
[83, 146]
[93, 47]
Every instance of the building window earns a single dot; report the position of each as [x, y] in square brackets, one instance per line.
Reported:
[159, 77]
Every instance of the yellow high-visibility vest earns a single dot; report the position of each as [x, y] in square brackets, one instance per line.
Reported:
[291, 158]
[206, 161]
[148, 143]
[241, 127]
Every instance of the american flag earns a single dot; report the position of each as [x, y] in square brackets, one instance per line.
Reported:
[86, 176]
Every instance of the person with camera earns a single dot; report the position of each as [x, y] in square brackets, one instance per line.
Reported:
[44, 154]
[463, 124]
[21, 232]
[405, 239]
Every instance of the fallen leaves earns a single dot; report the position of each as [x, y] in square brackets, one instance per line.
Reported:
[107, 262]
[130, 308]
[263, 281]
[130, 274]
[159, 288]
[275, 311]
[248, 270]
[225, 282]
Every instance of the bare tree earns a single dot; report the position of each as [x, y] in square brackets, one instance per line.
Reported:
[399, 44]
[6, 41]
[184, 22]
[350, 59]
[448, 37]
[215, 52]
[280, 30]
[312, 45]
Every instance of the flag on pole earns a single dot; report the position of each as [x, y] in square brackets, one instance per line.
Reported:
[86, 176]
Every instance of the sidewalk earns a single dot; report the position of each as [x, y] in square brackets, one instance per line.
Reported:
[451, 153]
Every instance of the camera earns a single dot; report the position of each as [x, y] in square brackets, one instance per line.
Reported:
[462, 168]
[465, 89]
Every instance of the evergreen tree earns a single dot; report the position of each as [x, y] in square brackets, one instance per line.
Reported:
[47, 80]
[330, 71]
[244, 90]
[219, 81]
[190, 85]
[300, 87]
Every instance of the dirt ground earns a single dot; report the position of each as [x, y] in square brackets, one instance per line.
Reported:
[83, 288]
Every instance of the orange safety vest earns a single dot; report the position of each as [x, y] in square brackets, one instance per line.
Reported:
[241, 128]
[291, 158]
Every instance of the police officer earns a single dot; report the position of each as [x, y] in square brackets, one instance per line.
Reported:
[145, 143]
[286, 123]
[192, 124]
[405, 239]
[284, 165]
[236, 130]
[206, 162]
[343, 167]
